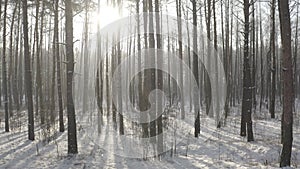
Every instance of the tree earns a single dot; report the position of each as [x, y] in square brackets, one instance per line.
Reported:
[159, 79]
[179, 25]
[28, 76]
[120, 102]
[142, 87]
[246, 121]
[208, 96]
[150, 75]
[4, 67]
[99, 78]
[0, 30]
[86, 59]
[16, 60]
[10, 68]
[288, 89]
[273, 59]
[195, 70]
[72, 135]
[58, 63]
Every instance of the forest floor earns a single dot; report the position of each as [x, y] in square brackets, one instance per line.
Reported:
[215, 148]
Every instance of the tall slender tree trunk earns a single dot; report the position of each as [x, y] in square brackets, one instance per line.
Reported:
[4, 69]
[195, 70]
[288, 88]
[253, 54]
[28, 76]
[2, 73]
[72, 135]
[207, 81]
[15, 83]
[179, 25]
[273, 61]
[58, 63]
[85, 60]
[262, 82]
[142, 100]
[99, 78]
[159, 62]
[150, 76]
[10, 69]
[246, 121]
[227, 59]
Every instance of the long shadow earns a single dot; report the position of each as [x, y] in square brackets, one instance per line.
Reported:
[18, 148]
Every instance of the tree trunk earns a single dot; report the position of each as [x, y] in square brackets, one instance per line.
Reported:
[85, 60]
[273, 59]
[72, 135]
[179, 25]
[15, 84]
[10, 69]
[195, 71]
[261, 59]
[253, 72]
[120, 102]
[208, 96]
[288, 89]
[4, 69]
[246, 121]
[142, 100]
[159, 61]
[99, 78]
[58, 63]
[28, 76]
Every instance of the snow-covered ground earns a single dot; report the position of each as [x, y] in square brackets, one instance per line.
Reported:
[215, 148]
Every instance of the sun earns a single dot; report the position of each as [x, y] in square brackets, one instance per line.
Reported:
[107, 15]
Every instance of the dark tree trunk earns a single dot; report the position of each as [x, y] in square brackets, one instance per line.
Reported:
[35, 47]
[4, 69]
[246, 121]
[288, 89]
[58, 63]
[227, 59]
[28, 76]
[15, 84]
[150, 76]
[208, 61]
[159, 80]
[142, 101]
[10, 69]
[273, 59]
[52, 90]
[253, 72]
[195, 71]
[72, 135]
[0, 30]
[261, 59]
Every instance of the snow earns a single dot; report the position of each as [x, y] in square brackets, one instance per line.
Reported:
[215, 148]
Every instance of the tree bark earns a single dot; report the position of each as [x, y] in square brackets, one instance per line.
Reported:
[195, 70]
[273, 63]
[58, 63]
[28, 76]
[246, 121]
[288, 89]
[159, 73]
[4, 69]
[72, 135]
